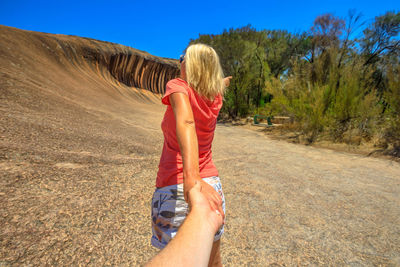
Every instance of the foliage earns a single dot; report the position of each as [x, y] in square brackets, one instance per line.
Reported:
[326, 80]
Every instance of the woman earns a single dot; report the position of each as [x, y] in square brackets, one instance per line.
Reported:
[193, 103]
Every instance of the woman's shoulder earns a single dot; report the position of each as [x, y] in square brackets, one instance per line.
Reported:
[177, 82]
[176, 85]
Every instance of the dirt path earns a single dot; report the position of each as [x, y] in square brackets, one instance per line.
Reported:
[291, 204]
[76, 189]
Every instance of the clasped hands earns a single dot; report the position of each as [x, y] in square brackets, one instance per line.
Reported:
[203, 198]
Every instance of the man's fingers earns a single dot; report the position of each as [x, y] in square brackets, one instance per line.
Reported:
[217, 198]
[214, 199]
[221, 211]
[213, 205]
[216, 204]
[217, 207]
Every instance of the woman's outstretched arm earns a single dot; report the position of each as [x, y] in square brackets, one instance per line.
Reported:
[187, 139]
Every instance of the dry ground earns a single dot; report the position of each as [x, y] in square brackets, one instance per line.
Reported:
[78, 161]
[291, 204]
[76, 187]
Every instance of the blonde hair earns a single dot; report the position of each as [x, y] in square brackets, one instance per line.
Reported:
[203, 71]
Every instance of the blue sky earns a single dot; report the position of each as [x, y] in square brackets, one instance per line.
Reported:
[164, 28]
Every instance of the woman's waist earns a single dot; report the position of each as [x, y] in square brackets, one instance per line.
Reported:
[211, 179]
[175, 176]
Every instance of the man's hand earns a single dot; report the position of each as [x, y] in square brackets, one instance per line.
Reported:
[193, 243]
[199, 203]
[214, 199]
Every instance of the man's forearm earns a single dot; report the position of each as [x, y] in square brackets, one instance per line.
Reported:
[191, 246]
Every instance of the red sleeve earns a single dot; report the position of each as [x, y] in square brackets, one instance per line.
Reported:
[173, 86]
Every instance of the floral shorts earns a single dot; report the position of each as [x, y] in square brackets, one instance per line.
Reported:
[169, 210]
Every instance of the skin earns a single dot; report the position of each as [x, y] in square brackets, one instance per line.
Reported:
[187, 139]
[227, 80]
[193, 244]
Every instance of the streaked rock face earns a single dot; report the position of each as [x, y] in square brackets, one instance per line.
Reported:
[126, 65]
[141, 72]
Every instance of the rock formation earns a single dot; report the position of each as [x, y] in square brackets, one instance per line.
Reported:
[138, 71]
[126, 65]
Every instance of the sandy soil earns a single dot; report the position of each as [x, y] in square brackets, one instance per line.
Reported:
[78, 160]
[291, 204]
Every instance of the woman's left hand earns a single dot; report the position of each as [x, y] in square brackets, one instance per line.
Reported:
[227, 81]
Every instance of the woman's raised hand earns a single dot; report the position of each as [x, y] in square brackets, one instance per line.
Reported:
[227, 81]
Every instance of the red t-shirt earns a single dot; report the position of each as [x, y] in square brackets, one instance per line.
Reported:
[205, 112]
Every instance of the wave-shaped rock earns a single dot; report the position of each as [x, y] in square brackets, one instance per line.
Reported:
[126, 65]
[79, 131]
[138, 71]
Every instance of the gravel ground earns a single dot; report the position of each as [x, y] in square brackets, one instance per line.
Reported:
[76, 190]
[291, 204]
[78, 161]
